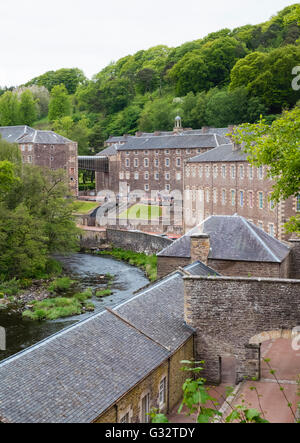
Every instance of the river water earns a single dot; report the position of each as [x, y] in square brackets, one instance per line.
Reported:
[86, 269]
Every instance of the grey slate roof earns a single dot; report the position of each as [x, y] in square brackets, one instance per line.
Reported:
[25, 134]
[120, 139]
[232, 238]
[200, 269]
[75, 375]
[13, 133]
[111, 150]
[223, 153]
[169, 142]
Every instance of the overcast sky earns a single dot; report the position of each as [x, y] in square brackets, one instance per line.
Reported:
[37, 35]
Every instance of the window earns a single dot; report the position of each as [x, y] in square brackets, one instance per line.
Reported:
[29, 148]
[168, 187]
[127, 175]
[224, 171]
[162, 391]
[146, 152]
[241, 172]
[178, 176]
[207, 195]
[121, 175]
[135, 152]
[146, 175]
[260, 172]
[261, 200]
[298, 203]
[207, 171]
[198, 151]
[187, 171]
[271, 230]
[188, 151]
[215, 171]
[156, 163]
[156, 176]
[146, 162]
[215, 196]
[136, 163]
[146, 188]
[193, 171]
[251, 199]
[167, 162]
[167, 176]
[167, 151]
[127, 152]
[23, 148]
[250, 172]
[52, 158]
[241, 198]
[29, 159]
[200, 171]
[223, 197]
[125, 418]
[178, 152]
[136, 175]
[178, 162]
[232, 171]
[127, 162]
[233, 197]
[156, 152]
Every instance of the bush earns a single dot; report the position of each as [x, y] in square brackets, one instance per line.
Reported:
[61, 284]
[104, 293]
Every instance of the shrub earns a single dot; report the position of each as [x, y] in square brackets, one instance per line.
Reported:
[104, 293]
[61, 284]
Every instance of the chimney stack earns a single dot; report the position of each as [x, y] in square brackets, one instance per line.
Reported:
[205, 129]
[200, 247]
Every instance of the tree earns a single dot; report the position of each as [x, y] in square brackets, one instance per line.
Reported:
[70, 78]
[28, 111]
[77, 131]
[60, 104]
[276, 146]
[9, 109]
[7, 177]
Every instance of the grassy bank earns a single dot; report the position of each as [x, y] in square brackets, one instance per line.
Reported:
[146, 262]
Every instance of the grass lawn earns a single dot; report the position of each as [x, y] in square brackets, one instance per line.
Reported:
[142, 212]
[83, 207]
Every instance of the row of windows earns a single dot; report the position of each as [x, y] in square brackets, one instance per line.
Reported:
[147, 175]
[167, 151]
[225, 171]
[145, 404]
[147, 162]
[233, 195]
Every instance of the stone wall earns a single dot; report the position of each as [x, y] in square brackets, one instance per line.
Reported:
[90, 239]
[131, 402]
[246, 269]
[227, 312]
[137, 241]
[166, 265]
[295, 259]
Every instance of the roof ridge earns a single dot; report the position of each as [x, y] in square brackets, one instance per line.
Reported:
[127, 322]
[259, 238]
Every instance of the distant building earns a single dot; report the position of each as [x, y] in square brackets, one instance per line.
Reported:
[154, 161]
[45, 149]
[227, 184]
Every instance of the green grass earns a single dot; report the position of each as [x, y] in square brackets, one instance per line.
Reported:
[60, 307]
[142, 212]
[83, 207]
[146, 262]
[104, 293]
[61, 285]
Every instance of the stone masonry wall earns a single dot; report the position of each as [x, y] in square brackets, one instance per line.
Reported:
[227, 312]
[167, 265]
[137, 241]
[295, 259]
[131, 402]
[246, 269]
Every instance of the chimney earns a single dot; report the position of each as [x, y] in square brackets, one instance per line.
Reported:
[235, 146]
[200, 247]
[138, 134]
[205, 130]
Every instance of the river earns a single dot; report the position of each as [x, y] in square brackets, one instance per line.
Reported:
[84, 268]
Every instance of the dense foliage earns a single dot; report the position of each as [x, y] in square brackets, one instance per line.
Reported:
[228, 77]
[36, 219]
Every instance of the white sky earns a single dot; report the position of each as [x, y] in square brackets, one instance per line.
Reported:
[37, 35]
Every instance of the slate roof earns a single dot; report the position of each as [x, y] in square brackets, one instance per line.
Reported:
[171, 142]
[232, 238]
[25, 134]
[200, 269]
[75, 375]
[223, 153]
[111, 150]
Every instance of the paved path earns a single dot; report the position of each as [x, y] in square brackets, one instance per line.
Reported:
[286, 362]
